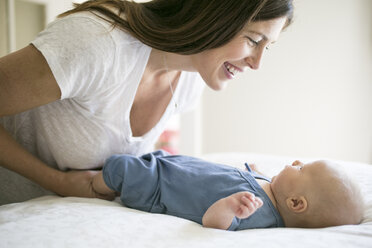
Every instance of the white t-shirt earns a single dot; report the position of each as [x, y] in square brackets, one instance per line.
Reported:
[98, 70]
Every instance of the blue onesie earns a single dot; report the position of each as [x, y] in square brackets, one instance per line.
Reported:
[185, 187]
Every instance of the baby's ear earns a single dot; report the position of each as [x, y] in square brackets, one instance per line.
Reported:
[297, 204]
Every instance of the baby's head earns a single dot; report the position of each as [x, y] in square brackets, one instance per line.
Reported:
[317, 194]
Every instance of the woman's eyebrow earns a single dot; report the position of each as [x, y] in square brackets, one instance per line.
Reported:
[264, 37]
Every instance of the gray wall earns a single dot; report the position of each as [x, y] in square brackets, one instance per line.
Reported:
[29, 21]
[311, 98]
[3, 29]
[20, 23]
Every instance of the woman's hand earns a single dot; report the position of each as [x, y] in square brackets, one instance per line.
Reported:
[80, 184]
[99, 185]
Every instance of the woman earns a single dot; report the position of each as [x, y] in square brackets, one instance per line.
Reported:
[105, 76]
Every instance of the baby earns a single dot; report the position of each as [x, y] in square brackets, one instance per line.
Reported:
[309, 195]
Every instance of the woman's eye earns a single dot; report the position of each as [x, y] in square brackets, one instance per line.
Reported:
[252, 42]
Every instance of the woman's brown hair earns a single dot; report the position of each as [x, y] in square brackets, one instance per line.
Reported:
[185, 26]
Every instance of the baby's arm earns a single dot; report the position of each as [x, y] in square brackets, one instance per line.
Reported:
[99, 185]
[221, 214]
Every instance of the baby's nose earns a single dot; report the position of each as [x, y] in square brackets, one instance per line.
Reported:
[297, 162]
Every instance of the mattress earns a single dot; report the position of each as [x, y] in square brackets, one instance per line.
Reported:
[54, 221]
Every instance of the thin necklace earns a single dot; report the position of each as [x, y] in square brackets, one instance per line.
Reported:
[170, 83]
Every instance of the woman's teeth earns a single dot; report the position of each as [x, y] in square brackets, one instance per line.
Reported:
[231, 69]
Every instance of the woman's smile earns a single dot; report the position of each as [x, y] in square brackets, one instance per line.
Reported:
[231, 70]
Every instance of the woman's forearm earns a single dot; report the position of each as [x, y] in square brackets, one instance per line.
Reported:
[74, 183]
[15, 158]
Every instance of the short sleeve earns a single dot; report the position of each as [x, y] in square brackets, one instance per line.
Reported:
[234, 224]
[137, 178]
[80, 53]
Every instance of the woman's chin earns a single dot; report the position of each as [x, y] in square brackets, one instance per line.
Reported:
[218, 86]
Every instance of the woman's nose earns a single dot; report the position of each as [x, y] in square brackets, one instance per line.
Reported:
[254, 60]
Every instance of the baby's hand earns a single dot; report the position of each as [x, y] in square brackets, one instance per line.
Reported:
[243, 204]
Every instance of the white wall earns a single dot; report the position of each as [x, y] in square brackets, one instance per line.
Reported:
[313, 95]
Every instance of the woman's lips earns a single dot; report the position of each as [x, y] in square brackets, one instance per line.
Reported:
[231, 70]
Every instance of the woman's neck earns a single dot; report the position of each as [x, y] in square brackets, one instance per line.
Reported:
[160, 60]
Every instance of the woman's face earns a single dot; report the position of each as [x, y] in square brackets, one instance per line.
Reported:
[217, 66]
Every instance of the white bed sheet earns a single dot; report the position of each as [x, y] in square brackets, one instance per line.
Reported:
[79, 222]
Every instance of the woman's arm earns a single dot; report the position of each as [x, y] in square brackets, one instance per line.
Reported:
[26, 82]
[221, 214]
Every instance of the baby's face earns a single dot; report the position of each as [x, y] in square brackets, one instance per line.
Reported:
[296, 178]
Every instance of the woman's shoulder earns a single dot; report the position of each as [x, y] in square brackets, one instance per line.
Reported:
[88, 22]
[125, 43]
[81, 20]
[86, 36]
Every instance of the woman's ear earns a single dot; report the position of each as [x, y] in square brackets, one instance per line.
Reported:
[297, 204]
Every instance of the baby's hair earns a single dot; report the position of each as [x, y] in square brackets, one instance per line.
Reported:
[335, 199]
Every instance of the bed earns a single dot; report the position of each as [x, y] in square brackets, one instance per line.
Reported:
[54, 221]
